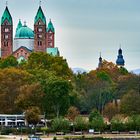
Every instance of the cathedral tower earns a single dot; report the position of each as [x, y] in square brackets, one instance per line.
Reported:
[6, 34]
[40, 31]
[50, 35]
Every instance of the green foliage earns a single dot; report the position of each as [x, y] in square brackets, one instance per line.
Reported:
[133, 123]
[117, 123]
[10, 61]
[57, 95]
[123, 70]
[102, 75]
[96, 121]
[54, 138]
[130, 103]
[41, 60]
[60, 125]
[80, 123]
[95, 115]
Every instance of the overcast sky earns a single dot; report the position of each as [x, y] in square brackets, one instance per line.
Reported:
[84, 28]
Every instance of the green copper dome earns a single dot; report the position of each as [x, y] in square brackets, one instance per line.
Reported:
[6, 16]
[40, 15]
[24, 32]
[50, 27]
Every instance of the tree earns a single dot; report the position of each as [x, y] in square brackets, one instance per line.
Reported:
[60, 124]
[118, 123]
[96, 120]
[58, 65]
[73, 112]
[80, 123]
[130, 103]
[11, 79]
[10, 61]
[111, 109]
[30, 95]
[57, 96]
[32, 115]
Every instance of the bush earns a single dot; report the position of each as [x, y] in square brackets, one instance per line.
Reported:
[80, 123]
[60, 124]
[96, 121]
[118, 123]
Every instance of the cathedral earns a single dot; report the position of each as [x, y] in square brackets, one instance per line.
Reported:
[26, 40]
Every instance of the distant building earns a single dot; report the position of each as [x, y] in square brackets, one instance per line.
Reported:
[100, 62]
[120, 61]
[26, 40]
[17, 120]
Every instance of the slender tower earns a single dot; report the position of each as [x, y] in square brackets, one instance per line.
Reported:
[50, 35]
[100, 62]
[6, 34]
[40, 31]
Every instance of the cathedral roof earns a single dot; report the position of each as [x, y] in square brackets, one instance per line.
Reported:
[40, 15]
[50, 27]
[24, 32]
[6, 16]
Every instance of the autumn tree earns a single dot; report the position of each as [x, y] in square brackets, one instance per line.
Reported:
[73, 112]
[111, 109]
[32, 115]
[30, 95]
[11, 79]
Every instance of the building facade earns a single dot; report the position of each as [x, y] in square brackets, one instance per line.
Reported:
[26, 40]
[10, 120]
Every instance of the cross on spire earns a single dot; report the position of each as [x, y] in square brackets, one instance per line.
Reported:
[40, 3]
[24, 23]
[6, 3]
[120, 45]
[100, 54]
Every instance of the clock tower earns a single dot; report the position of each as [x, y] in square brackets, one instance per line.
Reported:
[40, 31]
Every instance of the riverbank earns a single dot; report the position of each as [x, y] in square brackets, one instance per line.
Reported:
[112, 136]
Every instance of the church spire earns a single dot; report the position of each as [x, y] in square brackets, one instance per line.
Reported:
[50, 27]
[40, 15]
[120, 61]
[100, 62]
[6, 16]
[19, 25]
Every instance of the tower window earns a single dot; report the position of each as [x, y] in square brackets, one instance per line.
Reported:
[6, 37]
[40, 29]
[39, 43]
[39, 23]
[5, 44]
[6, 30]
[39, 36]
